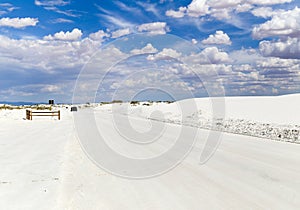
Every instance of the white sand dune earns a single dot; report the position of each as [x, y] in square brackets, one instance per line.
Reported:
[273, 117]
[44, 167]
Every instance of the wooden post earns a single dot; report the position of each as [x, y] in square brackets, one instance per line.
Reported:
[58, 114]
[28, 115]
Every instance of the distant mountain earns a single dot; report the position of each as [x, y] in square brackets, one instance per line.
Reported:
[19, 103]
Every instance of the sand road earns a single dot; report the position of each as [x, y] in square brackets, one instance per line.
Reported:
[44, 167]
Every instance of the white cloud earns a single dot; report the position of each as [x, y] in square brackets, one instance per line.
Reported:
[18, 22]
[5, 5]
[278, 63]
[285, 23]
[99, 35]
[282, 74]
[50, 88]
[224, 3]
[62, 20]
[208, 70]
[245, 56]
[74, 35]
[268, 2]
[51, 2]
[28, 90]
[176, 14]
[198, 8]
[243, 7]
[244, 68]
[52, 57]
[166, 53]
[215, 8]
[263, 12]
[194, 41]
[70, 13]
[222, 68]
[222, 9]
[127, 8]
[147, 49]
[116, 21]
[218, 38]
[121, 32]
[254, 75]
[215, 56]
[149, 7]
[6, 8]
[289, 48]
[210, 55]
[44, 55]
[154, 28]
[15, 91]
[221, 14]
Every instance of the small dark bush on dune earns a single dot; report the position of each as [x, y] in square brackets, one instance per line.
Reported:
[5, 107]
[39, 107]
[169, 102]
[104, 102]
[134, 103]
[117, 101]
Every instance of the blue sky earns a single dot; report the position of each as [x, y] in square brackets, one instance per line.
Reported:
[249, 47]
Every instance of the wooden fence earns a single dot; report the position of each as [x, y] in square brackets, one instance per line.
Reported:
[30, 114]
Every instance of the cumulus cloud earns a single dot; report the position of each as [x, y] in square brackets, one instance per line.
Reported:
[268, 2]
[147, 49]
[243, 7]
[74, 35]
[44, 60]
[289, 48]
[197, 8]
[121, 32]
[221, 14]
[154, 28]
[282, 74]
[166, 53]
[46, 55]
[210, 55]
[263, 12]
[224, 3]
[99, 35]
[243, 68]
[245, 56]
[222, 68]
[176, 14]
[218, 38]
[284, 23]
[214, 55]
[50, 88]
[194, 41]
[18, 22]
[215, 8]
[278, 63]
[221, 9]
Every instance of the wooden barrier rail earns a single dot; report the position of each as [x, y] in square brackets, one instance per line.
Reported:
[30, 113]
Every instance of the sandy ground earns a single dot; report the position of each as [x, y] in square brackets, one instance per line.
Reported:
[44, 167]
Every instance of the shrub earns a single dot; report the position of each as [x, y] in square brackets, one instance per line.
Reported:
[134, 103]
[117, 101]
